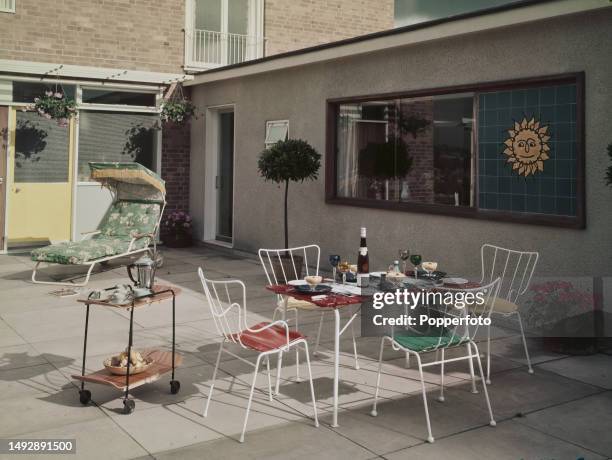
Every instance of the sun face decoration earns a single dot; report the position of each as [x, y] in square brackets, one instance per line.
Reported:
[527, 147]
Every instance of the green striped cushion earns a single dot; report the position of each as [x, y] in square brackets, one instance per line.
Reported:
[420, 343]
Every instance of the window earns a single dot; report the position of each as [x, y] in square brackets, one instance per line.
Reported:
[105, 96]
[507, 151]
[276, 131]
[409, 12]
[116, 136]
[24, 91]
[7, 6]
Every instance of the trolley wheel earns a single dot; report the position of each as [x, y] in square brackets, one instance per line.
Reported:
[84, 396]
[175, 386]
[128, 406]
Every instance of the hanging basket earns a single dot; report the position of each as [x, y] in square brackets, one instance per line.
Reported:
[54, 105]
[177, 108]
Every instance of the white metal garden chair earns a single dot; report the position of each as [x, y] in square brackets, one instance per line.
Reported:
[515, 270]
[284, 265]
[439, 340]
[266, 338]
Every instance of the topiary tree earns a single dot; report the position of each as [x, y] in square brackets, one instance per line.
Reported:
[291, 160]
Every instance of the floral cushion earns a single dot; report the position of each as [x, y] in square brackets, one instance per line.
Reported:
[126, 219]
[80, 252]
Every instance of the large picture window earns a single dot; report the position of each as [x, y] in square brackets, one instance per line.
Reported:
[508, 151]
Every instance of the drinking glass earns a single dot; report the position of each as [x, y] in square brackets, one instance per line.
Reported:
[334, 260]
[313, 281]
[404, 254]
[415, 259]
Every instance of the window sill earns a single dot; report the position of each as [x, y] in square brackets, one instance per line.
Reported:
[463, 211]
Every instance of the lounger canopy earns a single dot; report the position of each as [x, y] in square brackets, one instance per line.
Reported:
[130, 181]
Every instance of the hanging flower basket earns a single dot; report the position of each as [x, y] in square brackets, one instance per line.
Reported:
[55, 106]
[177, 111]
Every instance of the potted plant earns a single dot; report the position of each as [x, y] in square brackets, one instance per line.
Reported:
[563, 315]
[54, 105]
[177, 111]
[176, 230]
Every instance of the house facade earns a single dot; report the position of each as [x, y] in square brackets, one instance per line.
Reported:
[117, 60]
[487, 127]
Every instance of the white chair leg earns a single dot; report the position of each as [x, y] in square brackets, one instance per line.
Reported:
[430, 438]
[407, 360]
[441, 397]
[214, 376]
[484, 385]
[246, 417]
[354, 342]
[316, 349]
[488, 381]
[471, 361]
[269, 377]
[297, 353]
[312, 393]
[529, 368]
[374, 413]
[278, 371]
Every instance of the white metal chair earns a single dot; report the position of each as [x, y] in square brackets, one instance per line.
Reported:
[284, 265]
[439, 339]
[515, 270]
[266, 338]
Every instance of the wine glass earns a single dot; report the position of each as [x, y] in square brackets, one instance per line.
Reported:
[313, 281]
[343, 267]
[404, 254]
[415, 259]
[334, 260]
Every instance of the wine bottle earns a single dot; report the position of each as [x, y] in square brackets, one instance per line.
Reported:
[363, 261]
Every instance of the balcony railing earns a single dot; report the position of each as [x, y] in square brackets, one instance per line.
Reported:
[215, 49]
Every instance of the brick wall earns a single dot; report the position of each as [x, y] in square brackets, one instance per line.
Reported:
[175, 166]
[294, 24]
[125, 34]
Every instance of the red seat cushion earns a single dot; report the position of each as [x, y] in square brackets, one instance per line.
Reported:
[269, 339]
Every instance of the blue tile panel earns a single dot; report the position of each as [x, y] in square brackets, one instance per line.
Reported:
[552, 191]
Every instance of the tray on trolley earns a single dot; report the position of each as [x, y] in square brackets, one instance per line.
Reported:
[162, 363]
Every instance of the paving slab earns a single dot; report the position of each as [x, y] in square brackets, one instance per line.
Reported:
[585, 422]
[296, 441]
[595, 370]
[507, 441]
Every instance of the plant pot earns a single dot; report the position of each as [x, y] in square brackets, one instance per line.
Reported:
[284, 268]
[178, 240]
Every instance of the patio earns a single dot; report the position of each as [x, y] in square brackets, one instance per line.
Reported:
[563, 411]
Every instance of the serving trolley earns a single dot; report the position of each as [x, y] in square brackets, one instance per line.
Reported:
[163, 361]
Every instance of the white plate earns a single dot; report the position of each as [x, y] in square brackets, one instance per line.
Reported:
[297, 283]
[454, 281]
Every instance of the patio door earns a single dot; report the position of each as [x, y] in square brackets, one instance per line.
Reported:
[40, 179]
[225, 178]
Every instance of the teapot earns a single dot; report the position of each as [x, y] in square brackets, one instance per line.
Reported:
[145, 272]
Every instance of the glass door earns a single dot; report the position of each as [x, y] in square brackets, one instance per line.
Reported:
[225, 178]
[40, 178]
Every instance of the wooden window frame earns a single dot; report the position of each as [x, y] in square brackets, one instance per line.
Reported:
[578, 221]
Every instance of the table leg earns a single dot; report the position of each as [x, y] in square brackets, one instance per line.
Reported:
[280, 353]
[336, 364]
[129, 353]
[173, 330]
[85, 346]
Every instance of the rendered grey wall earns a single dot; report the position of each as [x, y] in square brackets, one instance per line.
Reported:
[568, 44]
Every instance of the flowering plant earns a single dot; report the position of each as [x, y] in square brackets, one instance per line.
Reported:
[178, 223]
[54, 105]
[177, 111]
[554, 301]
